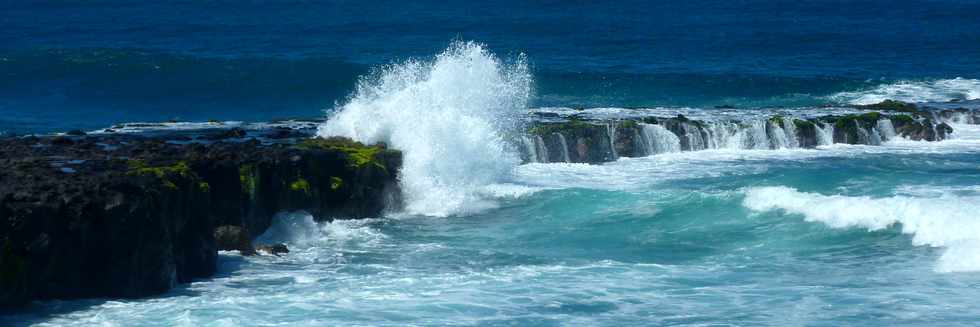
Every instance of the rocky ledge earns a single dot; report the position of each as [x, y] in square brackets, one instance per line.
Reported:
[129, 215]
[573, 138]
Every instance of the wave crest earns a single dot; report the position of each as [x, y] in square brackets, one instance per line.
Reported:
[948, 221]
[942, 90]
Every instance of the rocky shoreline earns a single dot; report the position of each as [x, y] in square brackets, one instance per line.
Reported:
[131, 215]
[135, 209]
[576, 139]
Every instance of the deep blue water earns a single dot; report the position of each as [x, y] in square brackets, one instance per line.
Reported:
[87, 64]
[838, 235]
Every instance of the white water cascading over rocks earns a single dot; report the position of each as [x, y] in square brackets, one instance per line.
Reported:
[584, 141]
[825, 133]
[758, 138]
[541, 150]
[657, 139]
[875, 137]
[564, 147]
[789, 128]
[886, 129]
[531, 150]
[863, 136]
[777, 136]
[971, 117]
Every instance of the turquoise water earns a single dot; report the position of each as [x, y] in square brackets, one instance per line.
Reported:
[838, 235]
[668, 239]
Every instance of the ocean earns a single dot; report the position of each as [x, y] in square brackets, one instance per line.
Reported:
[838, 235]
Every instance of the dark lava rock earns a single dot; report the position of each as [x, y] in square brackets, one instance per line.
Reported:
[273, 249]
[281, 133]
[233, 133]
[61, 140]
[582, 140]
[137, 217]
[182, 138]
[231, 238]
[891, 105]
[75, 132]
[546, 114]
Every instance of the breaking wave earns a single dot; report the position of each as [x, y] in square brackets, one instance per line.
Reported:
[914, 91]
[449, 116]
[948, 221]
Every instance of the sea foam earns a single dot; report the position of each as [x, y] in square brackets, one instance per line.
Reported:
[914, 91]
[449, 116]
[948, 221]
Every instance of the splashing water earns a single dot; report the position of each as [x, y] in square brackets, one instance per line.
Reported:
[448, 116]
[908, 91]
[659, 140]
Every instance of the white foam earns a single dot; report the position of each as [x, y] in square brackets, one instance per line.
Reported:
[702, 114]
[948, 221]
[299, 231]
[642, 172]
[448, 116]
[915, 91]
[657, 139]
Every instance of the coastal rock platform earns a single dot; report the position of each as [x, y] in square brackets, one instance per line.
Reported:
[129, 214]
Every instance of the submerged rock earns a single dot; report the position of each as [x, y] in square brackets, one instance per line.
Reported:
[233, 133]
[891, 105]
[273, 249]
[579, 140]
[233, 238]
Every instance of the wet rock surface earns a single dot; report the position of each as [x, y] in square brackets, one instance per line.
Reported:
[133, 214]
[272, 249]
[575, 139]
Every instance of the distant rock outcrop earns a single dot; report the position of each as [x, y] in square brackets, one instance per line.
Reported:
[578, 140]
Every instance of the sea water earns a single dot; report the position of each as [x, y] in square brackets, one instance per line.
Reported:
[837, 235]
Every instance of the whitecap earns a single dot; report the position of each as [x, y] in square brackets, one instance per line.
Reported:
[941, 90]
[948, 221]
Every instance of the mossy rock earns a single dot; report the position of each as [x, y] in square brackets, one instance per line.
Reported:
[140, 167]
[630, 124]
[845, 122]
[803, 124]
[336, 183]
[776, 120]
[904, 119]
[867, 120]
[890, 105]
[163, 173]
[300, 185]
[247, 179]
[871, 116]
[571, 125]
[358, 154]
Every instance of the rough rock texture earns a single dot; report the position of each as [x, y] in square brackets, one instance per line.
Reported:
[594, 141]
[273, 249]
[233, 238]
[128, 216]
